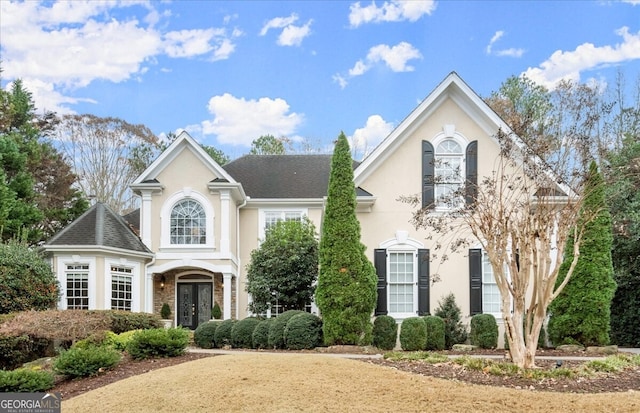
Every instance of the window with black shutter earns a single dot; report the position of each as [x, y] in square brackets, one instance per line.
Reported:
[475, 281]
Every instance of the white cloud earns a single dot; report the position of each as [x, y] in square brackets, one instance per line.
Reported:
[237, 121]
[340, 80]
[512, 52]
[358, 69]
[632, 2]
[568, 65]
[365, 139]
[291, 34]
[278, 23]
[391, 11]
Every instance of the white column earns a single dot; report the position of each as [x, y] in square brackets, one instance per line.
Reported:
[225, 224]
[226, 290]
[145, 219]
[148, 292]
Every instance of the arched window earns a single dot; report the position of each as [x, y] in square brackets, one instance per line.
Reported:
[449, 173]
[188, 223]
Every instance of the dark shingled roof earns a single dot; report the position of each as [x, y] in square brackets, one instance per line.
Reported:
[283, 176]
[133, 219]
[100, 227]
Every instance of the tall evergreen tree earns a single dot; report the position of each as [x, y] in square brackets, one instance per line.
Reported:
[581, 313]
[346, 291]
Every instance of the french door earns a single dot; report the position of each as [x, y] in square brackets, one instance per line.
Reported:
[194, 303]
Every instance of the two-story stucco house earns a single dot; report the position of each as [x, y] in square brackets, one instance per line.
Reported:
[190, 242]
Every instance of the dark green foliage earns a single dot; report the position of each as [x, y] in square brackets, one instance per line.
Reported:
[165, 311]
[122, 321]
[26, 279]
[216, 311]
[25, 381]
[484, 331]
[303, 331]
[542, 343]
[454, 331]
[261, 334]
[435, 332]
[222, 335]
[158, 342]
[15, 351]
[625, 307]
[346, 293]
[84, 362]
[276, 329]
[242, 332]
[413, 334]
[582, 311]
[204, 335]
[385, 332]
[284, 268]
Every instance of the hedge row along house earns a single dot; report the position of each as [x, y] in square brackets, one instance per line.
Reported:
[190, 242]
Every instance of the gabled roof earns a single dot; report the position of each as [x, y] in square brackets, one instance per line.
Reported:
[284, 176]
[98, 227]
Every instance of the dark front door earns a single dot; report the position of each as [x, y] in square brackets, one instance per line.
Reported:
[194, 303]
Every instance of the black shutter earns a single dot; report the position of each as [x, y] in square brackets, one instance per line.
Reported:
[475, 281]
[471, 184]
[428, 172]
[423, 282]
[380, 262]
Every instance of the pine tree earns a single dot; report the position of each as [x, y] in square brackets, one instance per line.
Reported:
[454, 331]
[346, 291]
[581, 313]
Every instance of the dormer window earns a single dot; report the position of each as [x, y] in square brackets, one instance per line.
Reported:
[188, 223]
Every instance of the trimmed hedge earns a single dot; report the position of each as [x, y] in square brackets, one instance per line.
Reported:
[276, 329]
[204, 335]
[158, 342]
[122, 321]
[25, 381]
[413, 334]
[261, 334]
[303, 331]
[83, 362]
[435, 332]
[242, 332]
[222, 335]
[484, 331]
[385, 332]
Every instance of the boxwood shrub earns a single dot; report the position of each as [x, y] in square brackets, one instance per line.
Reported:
[385, 332]
[261, 334]
[222, 335]
[303, 331]
[158, 342]
[413, 334]
[435, 333]
[122, 321]
[484, 331]
[85, 361]
[25, 381]
[242, 332]
[204, 335]
[277, 326]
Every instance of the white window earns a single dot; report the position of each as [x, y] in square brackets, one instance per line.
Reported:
[77, 291]
[491, 302]
[121, 288]
[448, 170]
[402, 282]
[270, 217]
[188, 223]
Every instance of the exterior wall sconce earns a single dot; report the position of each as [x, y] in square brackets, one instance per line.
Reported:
[162, 281]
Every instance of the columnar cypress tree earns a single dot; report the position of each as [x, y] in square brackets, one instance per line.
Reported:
[346, 291]
[581, 313]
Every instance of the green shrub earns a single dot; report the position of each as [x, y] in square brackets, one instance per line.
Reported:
[216, 311]
[276, 329]
[261, 334]
[165, 311]
[435, 332]
[15, 351]
[484, 331]
[204, 335]
[122, 321]
[158, 342]
[413, 334]
[25, 381]
[454, 331]
[119, 341]
[385, 332]
[83, 362]
[303, 331]
[222, 335]
[242, 332]
[94, 340]
[541, 339]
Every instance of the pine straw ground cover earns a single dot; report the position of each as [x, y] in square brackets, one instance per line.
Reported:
[316, 383]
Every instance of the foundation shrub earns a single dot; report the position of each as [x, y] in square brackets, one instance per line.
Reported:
[222, 335]
[276, 329]
[435, 332]
[303, 331]
[484, 331]
[25, 381]
[84, 362]
[242, 332]
[17, 350]
[385, 332]
[260, 335]
[204, 335]
[454, 331]
[122, 321]
[413, 334]
[158, 342]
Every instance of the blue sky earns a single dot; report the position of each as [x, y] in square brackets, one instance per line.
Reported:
[228, 72]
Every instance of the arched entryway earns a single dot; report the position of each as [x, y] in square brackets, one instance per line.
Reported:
[194, 298]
